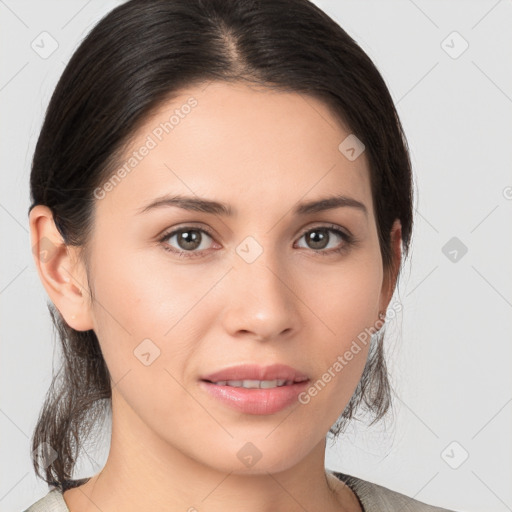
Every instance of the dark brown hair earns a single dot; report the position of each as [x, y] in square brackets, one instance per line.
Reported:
[137, 57]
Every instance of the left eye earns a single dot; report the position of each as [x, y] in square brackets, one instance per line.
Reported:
[319, 237]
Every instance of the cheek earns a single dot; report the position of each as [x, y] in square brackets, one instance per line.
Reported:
[139, 300]
[345, 297]
[141, 296]
[140, 316]
[344, 304]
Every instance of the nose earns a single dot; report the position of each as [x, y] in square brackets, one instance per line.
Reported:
[261, 303]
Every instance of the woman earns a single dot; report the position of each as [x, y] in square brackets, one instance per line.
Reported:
[221, 193]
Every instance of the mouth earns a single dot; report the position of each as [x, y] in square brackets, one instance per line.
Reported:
[254, 389]
[252, 376]
[255, 384]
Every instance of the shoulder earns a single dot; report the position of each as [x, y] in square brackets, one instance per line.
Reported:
[52, 502]
[376, 498]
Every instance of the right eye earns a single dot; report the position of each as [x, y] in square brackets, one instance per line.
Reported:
[188, 238]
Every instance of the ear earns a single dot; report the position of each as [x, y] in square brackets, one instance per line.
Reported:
[60, 270]
[390, 277]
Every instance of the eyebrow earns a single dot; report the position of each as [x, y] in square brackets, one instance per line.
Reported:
[219, 208]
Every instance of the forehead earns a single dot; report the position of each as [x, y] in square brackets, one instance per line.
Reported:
[249, 146]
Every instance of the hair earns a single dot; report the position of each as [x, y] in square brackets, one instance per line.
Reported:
[142, 54]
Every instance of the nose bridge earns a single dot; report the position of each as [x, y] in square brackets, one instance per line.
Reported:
[260, 266]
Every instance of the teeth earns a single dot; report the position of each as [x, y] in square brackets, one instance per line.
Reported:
[252, 384]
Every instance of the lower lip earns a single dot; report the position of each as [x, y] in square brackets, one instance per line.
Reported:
[256, 401]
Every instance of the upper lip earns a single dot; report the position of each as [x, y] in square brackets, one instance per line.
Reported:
[255, 372]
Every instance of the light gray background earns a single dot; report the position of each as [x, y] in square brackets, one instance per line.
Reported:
[449, 351]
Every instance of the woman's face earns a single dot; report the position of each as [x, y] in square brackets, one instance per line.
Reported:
[265, 285]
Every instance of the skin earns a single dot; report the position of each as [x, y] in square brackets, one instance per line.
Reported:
[173, 445]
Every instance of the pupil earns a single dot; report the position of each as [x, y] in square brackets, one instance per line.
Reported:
[318, 237]
[189, 241]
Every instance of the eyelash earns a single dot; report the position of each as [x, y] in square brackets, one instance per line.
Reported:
[349, 241]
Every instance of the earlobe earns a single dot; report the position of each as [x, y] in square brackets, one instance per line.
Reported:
[60, 270]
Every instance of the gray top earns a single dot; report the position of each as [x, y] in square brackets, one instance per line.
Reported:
[372, 498]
